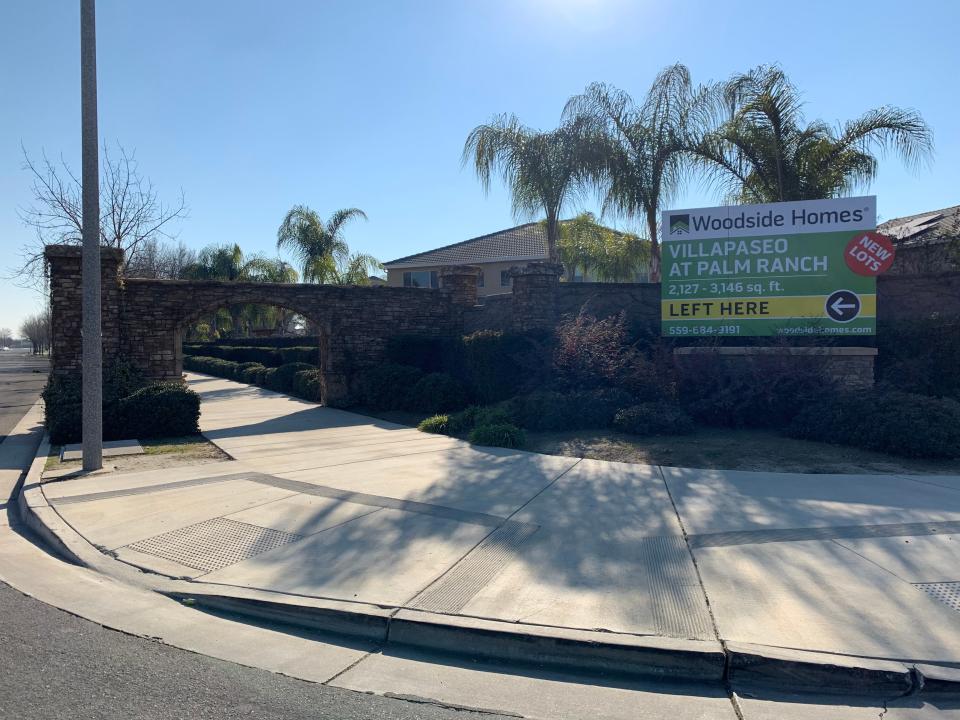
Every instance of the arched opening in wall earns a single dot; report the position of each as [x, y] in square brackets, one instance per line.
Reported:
[267, 333]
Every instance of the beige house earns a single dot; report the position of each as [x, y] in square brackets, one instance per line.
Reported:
[494, 254]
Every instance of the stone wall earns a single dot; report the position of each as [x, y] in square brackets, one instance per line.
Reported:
[145, 319]
[538, 302]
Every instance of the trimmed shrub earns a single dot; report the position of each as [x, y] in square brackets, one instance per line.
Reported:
[898, 423]
[438, 424]
[436, 392]
[387, 386]
[301, 354]
[597, 408]
[427, 354]
[464, 421]
[211, 366]
[498, 365]
[307, 384]
[281, 378]
[659, 418]
[62, 398]
[248, 372]
[920, 356]
[161, 410]
[500, 435]
[767, 393]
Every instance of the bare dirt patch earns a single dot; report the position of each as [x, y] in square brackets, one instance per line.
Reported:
[723, 449]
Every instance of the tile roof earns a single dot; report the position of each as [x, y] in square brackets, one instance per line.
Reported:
[929, 228]
[524, 242]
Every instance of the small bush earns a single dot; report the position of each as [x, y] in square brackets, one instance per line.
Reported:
[436, 392]
[307, 384]
[161, 410]
[438, 424]
[658, 418]
[894, 422]
[249, 372]
[464, 421]
[281, 379]
[543, 410]
[500, 435]
[597, 408]
[387, 386]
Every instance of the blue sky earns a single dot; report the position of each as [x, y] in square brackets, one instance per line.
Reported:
[252, 107]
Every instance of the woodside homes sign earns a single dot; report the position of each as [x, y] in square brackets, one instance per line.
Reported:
[794, 268]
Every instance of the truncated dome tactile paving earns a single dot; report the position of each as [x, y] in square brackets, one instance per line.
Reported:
[214, 544]
[946, 592]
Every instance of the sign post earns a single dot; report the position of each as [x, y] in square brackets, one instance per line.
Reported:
[790, 269]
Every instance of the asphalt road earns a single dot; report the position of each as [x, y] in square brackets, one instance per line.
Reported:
[22, 377]
[56, 665]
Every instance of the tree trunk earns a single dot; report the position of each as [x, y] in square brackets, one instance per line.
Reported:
[654, 247]
[553, 235]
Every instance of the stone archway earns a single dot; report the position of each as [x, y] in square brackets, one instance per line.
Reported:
[143, 319]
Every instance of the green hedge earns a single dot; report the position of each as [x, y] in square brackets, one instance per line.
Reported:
[436, 392]
[895, 422]
[300, 379]
[132, 408]
[387, 386]
[308, 384]
[161, 410]
[267, 356]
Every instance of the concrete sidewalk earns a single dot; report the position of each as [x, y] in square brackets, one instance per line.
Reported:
[325, 504]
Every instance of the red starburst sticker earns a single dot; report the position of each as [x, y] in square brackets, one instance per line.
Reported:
[869, 253]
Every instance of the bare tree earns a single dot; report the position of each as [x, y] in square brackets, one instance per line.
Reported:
[36, 328]
[160, 260]
[131, 212]
[6, 337]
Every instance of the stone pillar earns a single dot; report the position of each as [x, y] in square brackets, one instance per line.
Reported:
[66, 342]
[461, 280]
[535, 295]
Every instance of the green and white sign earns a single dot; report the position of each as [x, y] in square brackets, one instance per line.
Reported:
[795, 268]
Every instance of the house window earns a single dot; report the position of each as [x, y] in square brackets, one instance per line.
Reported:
[480, 279]
[504, 278]
[421, 279]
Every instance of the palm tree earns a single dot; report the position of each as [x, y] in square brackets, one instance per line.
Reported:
[316, 244]
[227, 262]
[355, 269]
[643, 145]
[763, 150]
[608, 255]
[543, 170]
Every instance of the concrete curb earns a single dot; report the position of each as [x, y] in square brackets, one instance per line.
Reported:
[564, 649]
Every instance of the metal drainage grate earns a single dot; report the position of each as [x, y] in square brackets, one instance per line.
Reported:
[214, 544]
[946, 592]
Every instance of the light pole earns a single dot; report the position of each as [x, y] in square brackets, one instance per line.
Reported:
[92, 348]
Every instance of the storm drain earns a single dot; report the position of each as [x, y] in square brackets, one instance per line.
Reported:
[946, 592]
[453, 591]
[214, 544]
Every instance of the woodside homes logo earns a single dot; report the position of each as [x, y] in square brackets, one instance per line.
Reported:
[680, 224]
